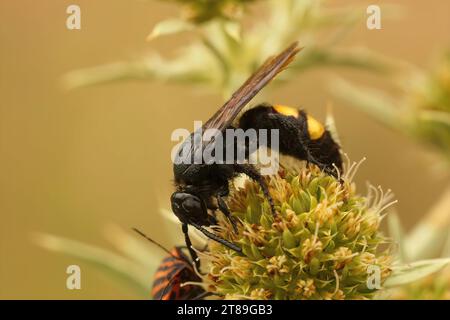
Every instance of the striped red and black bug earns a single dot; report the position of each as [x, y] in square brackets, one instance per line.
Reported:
[175, 270]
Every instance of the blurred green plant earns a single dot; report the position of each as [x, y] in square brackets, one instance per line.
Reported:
[133, 265]
[224, 52]
[422, 111]
[429, 239]
[200, 11]
[435, 287]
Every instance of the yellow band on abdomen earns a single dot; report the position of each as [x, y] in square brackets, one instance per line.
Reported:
[315, 128]
[287, 111]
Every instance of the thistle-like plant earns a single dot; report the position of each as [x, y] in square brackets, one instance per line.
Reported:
[322, 243]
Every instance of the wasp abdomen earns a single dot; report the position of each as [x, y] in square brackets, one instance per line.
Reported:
[300, 135]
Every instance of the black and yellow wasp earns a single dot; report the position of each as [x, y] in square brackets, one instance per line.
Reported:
[202, 187]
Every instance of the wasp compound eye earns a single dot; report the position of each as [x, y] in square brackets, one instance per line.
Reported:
[192, 204]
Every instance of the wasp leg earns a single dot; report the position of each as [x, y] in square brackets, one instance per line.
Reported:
[216, 238]
[325, 168]
[224, 207]
[192, 252]
[253, 173]
[304, 141]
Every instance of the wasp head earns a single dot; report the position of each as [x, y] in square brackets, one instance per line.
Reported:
[189, 207]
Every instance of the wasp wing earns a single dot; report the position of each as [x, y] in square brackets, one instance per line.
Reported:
[230, 110]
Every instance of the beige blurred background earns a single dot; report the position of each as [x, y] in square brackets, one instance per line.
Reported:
[73, 162]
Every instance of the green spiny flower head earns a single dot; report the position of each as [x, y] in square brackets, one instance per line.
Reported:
[319, 245]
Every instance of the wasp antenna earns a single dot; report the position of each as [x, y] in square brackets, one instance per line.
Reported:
[152, 241]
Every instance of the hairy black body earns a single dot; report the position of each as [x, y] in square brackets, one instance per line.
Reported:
[295, 136]
[202, 187]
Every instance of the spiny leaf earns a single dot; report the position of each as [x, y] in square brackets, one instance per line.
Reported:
[411, 272]
[374, 102]
[427, 239]
[396, 232]
[168, 27]
[133, 274]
